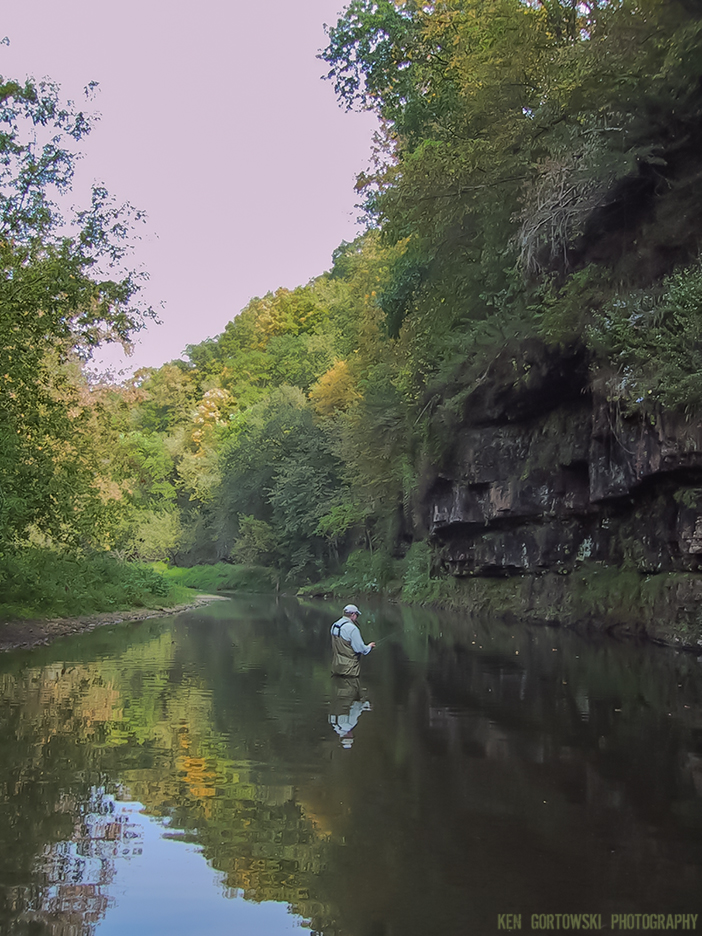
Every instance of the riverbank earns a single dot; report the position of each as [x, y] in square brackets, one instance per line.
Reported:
[664, 608]
[20, 634]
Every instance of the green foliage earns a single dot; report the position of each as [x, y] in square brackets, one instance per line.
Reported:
[170, 394]
[341, 518]
[256, 541]
[222, 577]
[149, 466]
[371, 58]
[299, 360]
[261, 438]
[36, 164]
[153, 534]
[283, 338]
[418, 586]
[278, 469]
[374, 439]
[537, 176]
[304, 485]
[238, 453]
[365, 572]
[41, 582]
[653, 342]
[520, 137]
[63, 290]
[409, 579]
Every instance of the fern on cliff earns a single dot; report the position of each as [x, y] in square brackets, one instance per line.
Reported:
[651, 341]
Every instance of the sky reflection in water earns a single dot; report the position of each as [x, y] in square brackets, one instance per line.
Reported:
[205, 774]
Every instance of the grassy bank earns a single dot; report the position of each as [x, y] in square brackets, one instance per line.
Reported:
[40, 583]
[223, 576]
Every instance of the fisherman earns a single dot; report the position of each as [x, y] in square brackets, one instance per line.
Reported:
[347, 644]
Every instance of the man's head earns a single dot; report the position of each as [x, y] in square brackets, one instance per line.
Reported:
[351, 611]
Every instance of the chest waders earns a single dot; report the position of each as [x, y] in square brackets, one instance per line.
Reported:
[345, 661]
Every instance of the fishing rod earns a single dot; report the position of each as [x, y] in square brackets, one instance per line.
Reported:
[383, 639]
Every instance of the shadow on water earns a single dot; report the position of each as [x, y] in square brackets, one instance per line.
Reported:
[471, 771]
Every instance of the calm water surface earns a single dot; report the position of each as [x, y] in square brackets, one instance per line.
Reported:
[203, 774]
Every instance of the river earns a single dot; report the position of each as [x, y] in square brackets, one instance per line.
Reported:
[203, 774]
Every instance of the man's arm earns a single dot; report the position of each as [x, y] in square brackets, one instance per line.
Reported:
[356, 641]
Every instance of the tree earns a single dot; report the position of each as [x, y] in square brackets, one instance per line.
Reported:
[279, 473]
[528, 147]
[334, 391]
[517, 136]
[64, 289]
[169, 393]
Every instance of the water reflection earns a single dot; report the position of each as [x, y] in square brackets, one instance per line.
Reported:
[347, 707]
[78, 871]
[497, 770]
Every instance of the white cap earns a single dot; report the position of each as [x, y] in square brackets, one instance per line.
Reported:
[351, 609]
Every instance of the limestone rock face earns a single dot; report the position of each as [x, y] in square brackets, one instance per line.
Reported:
[544, 473]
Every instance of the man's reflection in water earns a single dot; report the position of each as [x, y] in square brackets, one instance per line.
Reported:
[346, 707]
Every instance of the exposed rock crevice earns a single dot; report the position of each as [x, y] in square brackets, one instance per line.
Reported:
[544, 474]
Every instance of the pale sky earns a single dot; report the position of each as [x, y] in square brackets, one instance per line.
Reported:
[216, 123]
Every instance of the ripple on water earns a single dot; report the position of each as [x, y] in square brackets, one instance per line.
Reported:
[204, 773]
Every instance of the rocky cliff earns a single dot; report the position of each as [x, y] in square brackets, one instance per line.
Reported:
[544, 474]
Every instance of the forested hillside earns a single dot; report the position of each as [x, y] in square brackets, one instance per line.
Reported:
[534, 212]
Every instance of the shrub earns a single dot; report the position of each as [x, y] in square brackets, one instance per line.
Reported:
[38, 582]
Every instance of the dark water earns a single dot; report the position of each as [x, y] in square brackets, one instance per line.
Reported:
[204, 774]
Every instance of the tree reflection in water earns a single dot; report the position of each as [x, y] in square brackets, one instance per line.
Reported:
[500, 770]
[75, 873]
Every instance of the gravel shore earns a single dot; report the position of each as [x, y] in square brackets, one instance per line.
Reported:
[24, 635]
